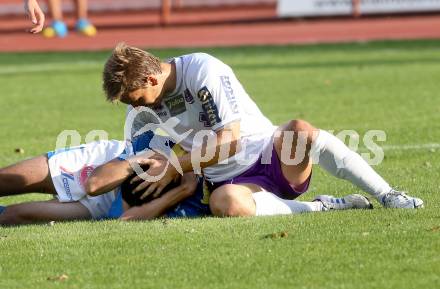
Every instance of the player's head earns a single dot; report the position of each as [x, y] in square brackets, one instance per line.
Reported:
[134, 199]
[131, 76]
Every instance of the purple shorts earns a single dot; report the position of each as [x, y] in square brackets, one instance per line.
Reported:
[269, 177]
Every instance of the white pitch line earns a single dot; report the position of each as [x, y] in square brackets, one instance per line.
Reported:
[427, 146]
[59, 66]
[409, 147]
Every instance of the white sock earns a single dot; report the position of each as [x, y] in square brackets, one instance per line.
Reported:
[336, 158]
[268, 204]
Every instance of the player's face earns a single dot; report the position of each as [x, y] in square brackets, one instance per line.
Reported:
[142, 97]
[149, 96]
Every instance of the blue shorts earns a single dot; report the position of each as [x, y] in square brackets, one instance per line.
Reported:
[193, 206]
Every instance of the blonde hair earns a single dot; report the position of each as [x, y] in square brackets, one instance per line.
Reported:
[126, 70]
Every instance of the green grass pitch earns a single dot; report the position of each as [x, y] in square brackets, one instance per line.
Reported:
[389, 86]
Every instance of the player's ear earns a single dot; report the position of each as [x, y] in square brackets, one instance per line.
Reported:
[151, 80]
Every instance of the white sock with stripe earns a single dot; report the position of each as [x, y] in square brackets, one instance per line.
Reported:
[268, 204]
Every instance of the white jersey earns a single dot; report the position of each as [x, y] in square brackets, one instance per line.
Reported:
[207, 97]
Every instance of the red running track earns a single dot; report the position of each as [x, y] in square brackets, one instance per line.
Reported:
[259, 33]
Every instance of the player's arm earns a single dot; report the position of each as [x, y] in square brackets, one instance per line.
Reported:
[112, 174]
[107, 177]
[223, 145]
[159, 206]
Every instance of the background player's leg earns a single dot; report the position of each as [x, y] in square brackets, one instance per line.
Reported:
[45, 211]
[26, 177]
[81, 9]
[56, 9]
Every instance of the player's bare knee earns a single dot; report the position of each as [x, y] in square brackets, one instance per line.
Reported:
[298, 125]
[216, 204]
[228, 204]
[303, 127]
[240, 210]
[221, 204]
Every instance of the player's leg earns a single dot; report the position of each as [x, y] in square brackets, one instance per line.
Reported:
[56, 9]
[233, 200]
[58, 27]
[83, 25]
[81, 9]
[268, 204]
[27, 176]
[292, 143]
[44, 211]
[336, 158]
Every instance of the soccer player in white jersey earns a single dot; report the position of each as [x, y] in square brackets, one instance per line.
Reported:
[61, 173]
[64, 174]
[72, 173]
[254, 168]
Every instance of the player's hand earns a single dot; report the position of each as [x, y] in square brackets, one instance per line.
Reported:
[190, 181]
[158, 167]
[35, 14]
